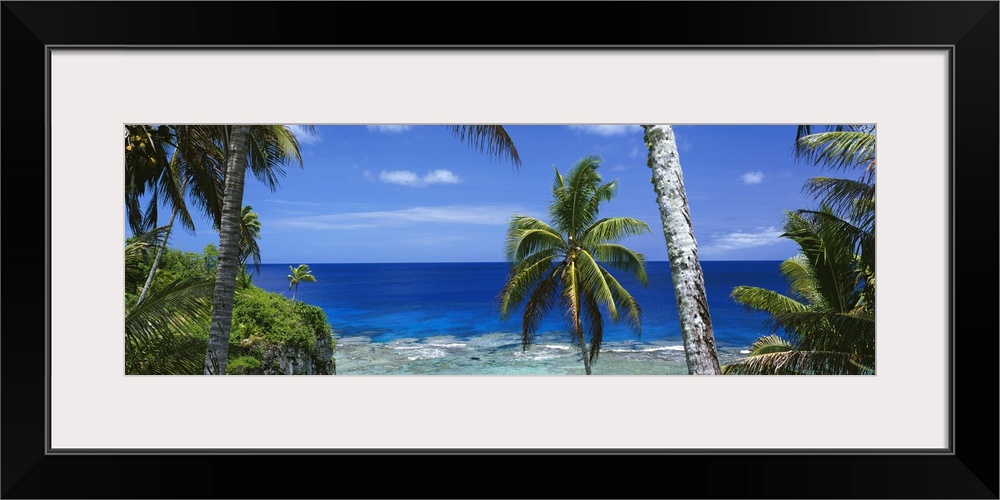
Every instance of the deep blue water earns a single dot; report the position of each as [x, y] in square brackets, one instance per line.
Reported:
[392, 301]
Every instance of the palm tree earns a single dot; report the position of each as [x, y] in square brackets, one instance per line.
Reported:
[193, 166]
[828, 314]
[264, 149]
[562, 262]
[682, 250]
[249, 234]
[299, 274]
[831, 309]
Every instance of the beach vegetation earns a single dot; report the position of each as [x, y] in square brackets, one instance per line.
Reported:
[566, 262]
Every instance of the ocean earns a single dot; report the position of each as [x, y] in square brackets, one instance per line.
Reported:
[441, 318]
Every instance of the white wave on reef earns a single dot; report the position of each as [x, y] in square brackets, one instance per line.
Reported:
[651, 349]
[563, 347]
[429, 351]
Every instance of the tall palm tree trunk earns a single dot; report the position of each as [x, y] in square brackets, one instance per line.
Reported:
[682, 250]
[229, 252]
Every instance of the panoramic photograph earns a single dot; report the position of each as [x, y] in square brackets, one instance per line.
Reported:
[492, 250]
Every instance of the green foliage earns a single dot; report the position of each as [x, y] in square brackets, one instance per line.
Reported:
[210, 257]
[243, 365]
[165, 333]
[564, 263]
[829, 312]
[269, 317]
[263, 320]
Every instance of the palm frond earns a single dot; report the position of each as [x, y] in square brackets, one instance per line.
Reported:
[203, 161]
[541, 300]
[623, 259]
[802, 284]
[770, 344]
[762, 299]
[182, 354]
[839, 150]
[491, 139]
[571, 296]
[849, 199]
[612, 230]
[528, 235]
[800, 363]
[832, 258]
[830, 331]
[804, 130]
[524, 276]
[571, 209]
[177, 308]
[595, 325]
[591, 277]
[625, 301]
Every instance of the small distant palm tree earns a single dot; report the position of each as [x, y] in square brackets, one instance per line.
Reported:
[249, 234]
[561, 262]
[299, 274]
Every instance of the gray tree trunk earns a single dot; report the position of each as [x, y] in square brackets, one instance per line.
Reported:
[682, 250]
[583, 346]
[156, 260]
[229, 252]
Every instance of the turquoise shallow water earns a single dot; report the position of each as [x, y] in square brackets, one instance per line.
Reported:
[501, 354]
[409, 319]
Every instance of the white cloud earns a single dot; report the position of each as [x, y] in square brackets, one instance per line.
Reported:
[388, 129]
[304, 135]
[607, 130]
[411, 179]
[740, 240]
[753, 177]
[441, 176]
[401, 177]
[456, 214]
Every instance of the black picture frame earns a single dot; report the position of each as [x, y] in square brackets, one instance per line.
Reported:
[969, 471]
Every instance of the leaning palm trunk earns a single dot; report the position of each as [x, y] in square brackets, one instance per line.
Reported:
[156, 260]
[682, 250]
[229, 253]
[166, 236]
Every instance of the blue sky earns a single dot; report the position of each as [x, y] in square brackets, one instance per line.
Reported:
[418, 194]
